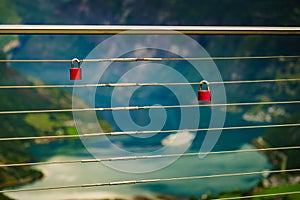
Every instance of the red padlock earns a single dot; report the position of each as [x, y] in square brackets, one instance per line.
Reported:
[75, 73]
[204, 95]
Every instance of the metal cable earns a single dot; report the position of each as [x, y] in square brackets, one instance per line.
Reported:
[54, 29]
[146, 132]
[136, 59]
[149, 181]
[259, 195]
[146, 107]
[146, 157]
[145, 84]
[131, 29]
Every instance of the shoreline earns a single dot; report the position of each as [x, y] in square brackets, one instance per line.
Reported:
[54, 173]
[20, 182]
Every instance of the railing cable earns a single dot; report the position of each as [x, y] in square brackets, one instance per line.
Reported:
[52, 137]
[130, 182]
[98, 160]
[144, 59]
[259, 195]
[134, 29]
[83, 29]
[146, 84]
[147, 107]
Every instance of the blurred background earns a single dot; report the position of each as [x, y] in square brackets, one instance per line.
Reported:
[146, 12]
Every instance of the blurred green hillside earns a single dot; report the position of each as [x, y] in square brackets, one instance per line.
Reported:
[171, 12]
[22, 125]
[145, 12]
[18, 125]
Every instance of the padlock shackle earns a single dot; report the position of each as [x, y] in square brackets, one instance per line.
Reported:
[204, 82]
[75, 60]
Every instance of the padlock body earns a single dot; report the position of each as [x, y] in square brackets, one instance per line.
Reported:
[75, 74]
[204, 95]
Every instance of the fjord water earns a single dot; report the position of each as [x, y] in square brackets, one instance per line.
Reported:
[161, 119]
[73, 174]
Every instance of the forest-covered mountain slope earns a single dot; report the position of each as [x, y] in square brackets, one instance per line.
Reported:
[24, 125]
[146, 12]
[173, 12]
[16, 125]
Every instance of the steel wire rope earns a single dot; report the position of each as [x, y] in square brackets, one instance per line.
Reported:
[146, 107]
[127, 158]
[259, 195]
[147, 132]
[135, 59]
[142, 29]
[240, 31]
[129, 182]
[146, 84]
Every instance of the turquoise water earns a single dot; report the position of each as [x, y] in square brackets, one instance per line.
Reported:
[77, 174]
[73, 174]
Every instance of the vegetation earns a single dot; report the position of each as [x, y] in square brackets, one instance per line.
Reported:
[3, 197]
[18, 125]
[172, 12]
[262, 191]
[281, 159]
[280, 138]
